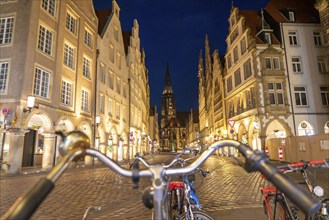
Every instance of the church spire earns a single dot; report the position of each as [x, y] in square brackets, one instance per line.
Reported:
[167, 80]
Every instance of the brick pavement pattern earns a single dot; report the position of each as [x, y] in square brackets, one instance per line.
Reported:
[228, 188]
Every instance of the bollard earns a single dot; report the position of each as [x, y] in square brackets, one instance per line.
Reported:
[280, 153]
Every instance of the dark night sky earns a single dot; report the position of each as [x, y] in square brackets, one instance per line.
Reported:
[173, 31]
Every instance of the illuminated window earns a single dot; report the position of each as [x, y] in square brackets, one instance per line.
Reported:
[84, 100]
[4, 70]
[86, 67]
[45, 42]
[71, 23]
[49, 6]
[292, 38]
[6, 30]
[300, 96]
[41, 83]
[66, 93]
[88, 39]
[69, 56]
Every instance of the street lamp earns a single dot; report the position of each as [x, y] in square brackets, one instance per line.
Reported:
[30, 103]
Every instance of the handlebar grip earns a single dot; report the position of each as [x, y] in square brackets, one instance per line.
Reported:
[26, 206]
[299, 196]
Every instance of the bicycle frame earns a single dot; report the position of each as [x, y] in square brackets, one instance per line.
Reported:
[272, 191]
[76, 144]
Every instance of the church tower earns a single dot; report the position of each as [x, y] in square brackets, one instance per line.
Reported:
[168, 106]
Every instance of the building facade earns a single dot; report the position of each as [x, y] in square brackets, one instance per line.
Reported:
[274, 82]
[74, 63]
[112, 86]
[307, 64]
[49, 52]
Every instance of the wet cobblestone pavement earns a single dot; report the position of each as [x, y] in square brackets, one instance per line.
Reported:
[228, 187]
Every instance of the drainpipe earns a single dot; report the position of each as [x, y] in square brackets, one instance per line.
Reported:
[129, 116]
[95, 98]
[288, 76]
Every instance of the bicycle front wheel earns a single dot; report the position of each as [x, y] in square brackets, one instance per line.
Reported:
[277, 210]
[197, 215]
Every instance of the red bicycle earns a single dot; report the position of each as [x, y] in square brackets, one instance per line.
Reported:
[277, 206]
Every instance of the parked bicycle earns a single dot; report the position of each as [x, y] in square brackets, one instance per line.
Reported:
[277, 206]
[76, 144]
[180, 200]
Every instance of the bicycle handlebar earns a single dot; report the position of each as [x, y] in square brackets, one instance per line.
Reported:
[255, 160]
[304, 164]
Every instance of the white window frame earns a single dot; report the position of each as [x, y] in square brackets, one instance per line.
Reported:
[49, 6]
[46, 40]
[267, 37]
[291, 15]
[102, 103]
[118, 85]
[88, 39]
[322, 65]
[41, 83]
[86, 70]
[275, 90]
[4, 76]
[276, 63]
[268, 63]
[69, 55]
[324, 90]
[301, 94]
[293, 38]
[71, 23]
[85, 100]
[117, 111]
[66, 92]
[102, 75]
[296, 65]
[317, 38]
[6, 30]
[109, 107]
[110, 80]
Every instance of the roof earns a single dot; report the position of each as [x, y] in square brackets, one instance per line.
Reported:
[102, 15]
[253, 20]
[126, 40]
[304, 11]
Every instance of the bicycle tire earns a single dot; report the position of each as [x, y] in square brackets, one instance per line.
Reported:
[280, 209]
[198, 215]
[175, 205]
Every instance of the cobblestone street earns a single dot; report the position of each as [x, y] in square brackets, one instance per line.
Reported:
[228, 187]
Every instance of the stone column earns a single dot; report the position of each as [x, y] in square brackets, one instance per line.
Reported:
[48, 151]
[115, 152]
[125, 152]
[16, 146]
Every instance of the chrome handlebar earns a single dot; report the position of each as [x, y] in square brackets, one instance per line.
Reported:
[76, 144]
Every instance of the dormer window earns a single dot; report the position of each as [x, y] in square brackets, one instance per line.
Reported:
[267, 38]
[291, 16]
